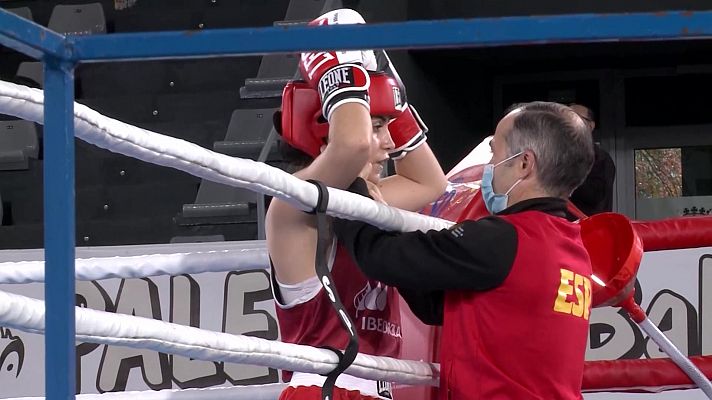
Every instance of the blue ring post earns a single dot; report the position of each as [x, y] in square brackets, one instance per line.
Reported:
[59, 225]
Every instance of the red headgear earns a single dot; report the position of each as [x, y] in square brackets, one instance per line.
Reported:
[303, 126]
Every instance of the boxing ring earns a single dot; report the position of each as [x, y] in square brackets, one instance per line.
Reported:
[64, 119]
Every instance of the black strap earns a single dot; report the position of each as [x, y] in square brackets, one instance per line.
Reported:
[322, 271]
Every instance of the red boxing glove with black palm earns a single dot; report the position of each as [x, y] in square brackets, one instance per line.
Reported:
[408, 132]
[340, 77]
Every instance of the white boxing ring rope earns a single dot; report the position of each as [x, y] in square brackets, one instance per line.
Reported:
[101, 327]
[250, 257]
[254, 392]
[119, 137]
[93, 326]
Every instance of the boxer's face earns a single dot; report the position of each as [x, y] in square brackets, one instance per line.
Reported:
[381, 144]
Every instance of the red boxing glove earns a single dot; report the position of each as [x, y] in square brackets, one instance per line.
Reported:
[408, 132]
[340, 77]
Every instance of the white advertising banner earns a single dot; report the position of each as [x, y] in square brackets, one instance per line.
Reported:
[235, 302]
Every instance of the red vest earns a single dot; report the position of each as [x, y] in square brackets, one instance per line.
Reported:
[525, 339]
[373, 306]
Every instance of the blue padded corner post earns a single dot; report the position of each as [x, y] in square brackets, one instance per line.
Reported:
[59, 209]
[59, 225]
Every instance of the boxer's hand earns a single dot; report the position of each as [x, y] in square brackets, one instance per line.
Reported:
[408, 132]
[340, 77]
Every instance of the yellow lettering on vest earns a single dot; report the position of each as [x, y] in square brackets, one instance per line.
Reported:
[578, 285]
[587, 297]
[577, 309]
[565, 289]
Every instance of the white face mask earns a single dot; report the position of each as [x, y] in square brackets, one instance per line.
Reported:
[493, 201]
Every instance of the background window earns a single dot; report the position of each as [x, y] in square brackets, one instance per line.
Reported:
[673, 182]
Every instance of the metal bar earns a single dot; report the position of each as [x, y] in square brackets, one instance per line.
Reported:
[677, 357]
[414, 34]
[31, 39]
[60, 360]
